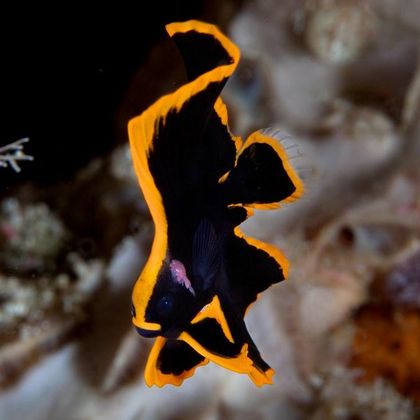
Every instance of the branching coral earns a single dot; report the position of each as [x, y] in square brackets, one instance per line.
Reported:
[12, 154]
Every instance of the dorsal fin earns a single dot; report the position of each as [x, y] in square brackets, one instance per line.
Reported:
[193, 38]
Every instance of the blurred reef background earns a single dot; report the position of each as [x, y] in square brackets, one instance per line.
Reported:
[338, 81]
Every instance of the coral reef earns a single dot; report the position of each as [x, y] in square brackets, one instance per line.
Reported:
[37, 314]
[341, 399]
[32, 236]
[338, 32]
[386, 345]
[338, 83]
[402, 283]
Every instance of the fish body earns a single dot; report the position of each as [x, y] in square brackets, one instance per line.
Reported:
[200, 183]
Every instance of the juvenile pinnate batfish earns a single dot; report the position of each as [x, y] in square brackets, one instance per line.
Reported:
[200, 183]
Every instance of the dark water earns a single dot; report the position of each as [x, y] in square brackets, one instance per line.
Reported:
[64, 74]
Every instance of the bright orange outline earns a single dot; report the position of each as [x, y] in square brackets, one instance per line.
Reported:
[141, 132]
[214, 310]
[239, 364]
[153, 376]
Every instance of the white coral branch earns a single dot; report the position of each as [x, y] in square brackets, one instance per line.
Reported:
[12, 153]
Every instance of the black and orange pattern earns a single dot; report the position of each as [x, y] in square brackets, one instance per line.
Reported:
[200, 182]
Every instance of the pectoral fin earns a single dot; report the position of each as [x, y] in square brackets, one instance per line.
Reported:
[206, 254]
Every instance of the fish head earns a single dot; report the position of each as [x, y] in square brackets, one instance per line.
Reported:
[170, 306]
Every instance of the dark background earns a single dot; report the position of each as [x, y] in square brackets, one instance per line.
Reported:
[64, 75]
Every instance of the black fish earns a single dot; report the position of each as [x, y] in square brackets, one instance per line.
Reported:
[200, 182]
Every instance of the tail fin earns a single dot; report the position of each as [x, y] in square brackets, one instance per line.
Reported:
[263, 176]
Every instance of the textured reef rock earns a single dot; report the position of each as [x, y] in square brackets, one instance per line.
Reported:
[41, 303]
[52, 266]
[32, 236]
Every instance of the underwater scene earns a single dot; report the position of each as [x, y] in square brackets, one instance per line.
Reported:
[211, 210]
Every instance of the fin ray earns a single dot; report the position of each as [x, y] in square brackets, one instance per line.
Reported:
[206, 253]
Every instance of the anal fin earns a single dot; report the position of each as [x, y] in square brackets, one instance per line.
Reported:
[207, 338]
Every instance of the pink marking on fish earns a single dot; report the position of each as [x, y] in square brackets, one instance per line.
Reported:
[179, 274]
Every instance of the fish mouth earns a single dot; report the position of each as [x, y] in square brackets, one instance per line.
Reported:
[147, 333]
[147, 329]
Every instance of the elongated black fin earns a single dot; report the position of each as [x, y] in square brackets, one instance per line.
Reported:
[192, 39]
[262, 176]
[252, 266]
[181, 147]
[208, 55]
[206, 254]
[210, 335]
[171, 361]
[177, 357]
[208, 338]
[234, 319]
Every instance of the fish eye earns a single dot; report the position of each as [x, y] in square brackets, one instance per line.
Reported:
[165, 305]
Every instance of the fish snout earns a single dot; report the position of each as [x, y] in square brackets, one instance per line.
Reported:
[147, 333]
